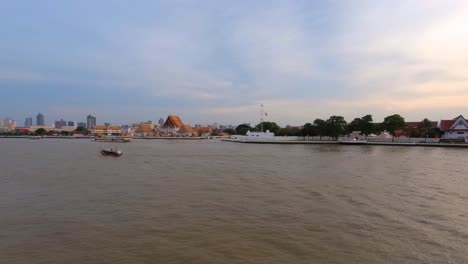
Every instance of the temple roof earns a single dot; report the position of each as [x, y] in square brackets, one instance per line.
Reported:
[173, 121]
[144, 128]
[185, 129]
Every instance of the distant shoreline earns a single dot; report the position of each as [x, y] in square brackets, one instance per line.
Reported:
[91, 137]
[347, 143]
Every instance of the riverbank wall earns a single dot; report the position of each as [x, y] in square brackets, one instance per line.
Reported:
[348, 143]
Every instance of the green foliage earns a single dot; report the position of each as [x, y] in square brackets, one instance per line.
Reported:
[309, 130]
[272, 126]
[336, 126]
[364, 124]
[321, 127]
[393, 124]
[230, 131]
[290, 132]
[243, 128]
[40, 131]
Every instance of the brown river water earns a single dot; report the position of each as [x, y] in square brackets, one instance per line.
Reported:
[220, 202]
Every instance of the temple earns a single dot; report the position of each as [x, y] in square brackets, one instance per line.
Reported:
[172, 125]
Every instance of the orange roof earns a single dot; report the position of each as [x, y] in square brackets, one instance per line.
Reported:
[107, 127]
[144, 128]
[185, 129]
[203, 129]
[173, 121]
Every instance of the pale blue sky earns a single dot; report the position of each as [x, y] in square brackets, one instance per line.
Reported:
[217, 61]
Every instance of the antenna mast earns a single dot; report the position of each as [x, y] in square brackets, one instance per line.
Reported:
[262, 113]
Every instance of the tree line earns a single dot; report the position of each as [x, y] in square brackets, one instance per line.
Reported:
[336, 126]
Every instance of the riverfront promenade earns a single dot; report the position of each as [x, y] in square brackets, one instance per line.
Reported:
[360, 143]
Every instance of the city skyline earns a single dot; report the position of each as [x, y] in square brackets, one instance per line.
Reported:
[219, 61]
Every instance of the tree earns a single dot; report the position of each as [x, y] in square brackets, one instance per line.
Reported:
[393, 124]
[321, 127]
[290, 131]
[81, 130]
[65, 133]
[271, 126]
[309, 130]
[40, 131]
[426, 128]
[336, 126]
[364, 124]
[367, 125]
[229, 131]
[243, 128]
[355, 125]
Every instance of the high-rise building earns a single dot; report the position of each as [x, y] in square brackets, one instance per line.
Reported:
[90, 122]
[161, 121]
[40, 120]
[8, 124]
[71, 123]
[28, 122]
[81, 124]
[61, 123]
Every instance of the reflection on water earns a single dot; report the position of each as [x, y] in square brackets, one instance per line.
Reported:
[216, 202]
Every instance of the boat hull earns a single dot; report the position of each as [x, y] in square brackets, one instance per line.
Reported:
[111, 153]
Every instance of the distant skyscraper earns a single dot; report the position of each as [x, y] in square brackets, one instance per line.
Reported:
[28, 122]
[40, 120]
[81, 124]
[8, 124]
[71, 123]
[61, 123]
[161, 121]
[90, 122]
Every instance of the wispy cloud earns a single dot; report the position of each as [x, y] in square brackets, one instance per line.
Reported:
[221, 60]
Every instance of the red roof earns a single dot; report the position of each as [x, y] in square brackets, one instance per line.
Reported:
[417, 124]
[446, 124]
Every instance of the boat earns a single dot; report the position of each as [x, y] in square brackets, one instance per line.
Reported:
[111, 152]
[113, 139]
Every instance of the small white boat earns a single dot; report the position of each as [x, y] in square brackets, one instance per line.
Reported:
[111, 152]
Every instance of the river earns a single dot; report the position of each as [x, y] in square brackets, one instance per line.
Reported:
[219, 202]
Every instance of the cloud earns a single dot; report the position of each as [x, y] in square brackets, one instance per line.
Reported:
[220, 61]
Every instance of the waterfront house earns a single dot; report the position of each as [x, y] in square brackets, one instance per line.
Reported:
[144, 130]
[455, 129]
[106, 131]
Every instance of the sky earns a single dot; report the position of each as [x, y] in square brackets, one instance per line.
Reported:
[218, 61]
